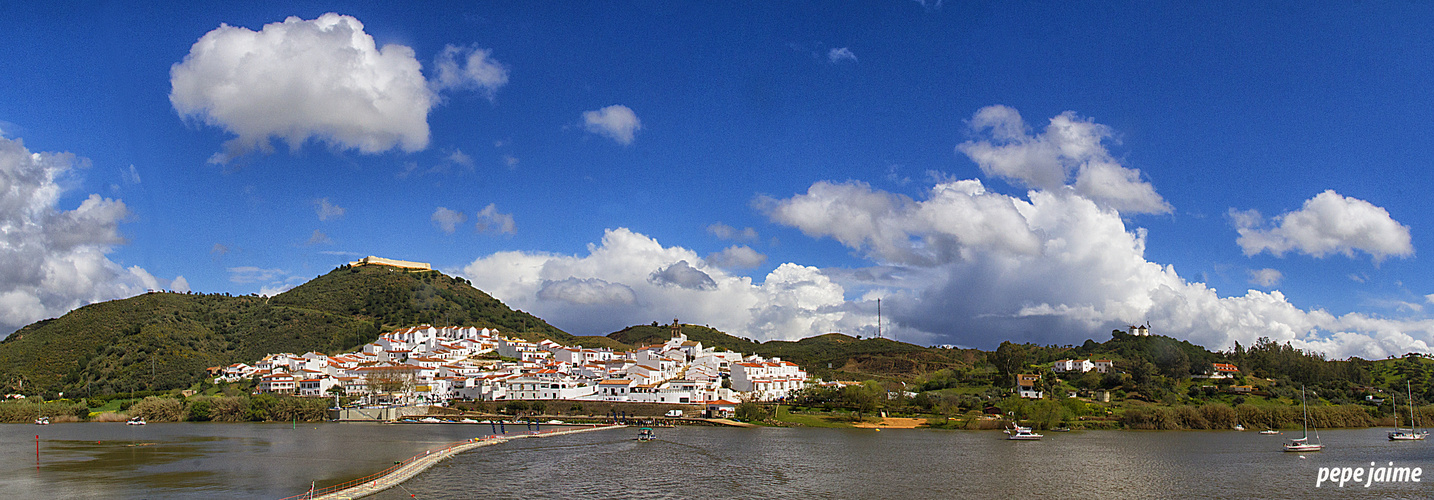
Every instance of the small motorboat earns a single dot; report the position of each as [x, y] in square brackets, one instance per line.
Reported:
[136, 420]
[42, 421]
[645, 434]
[1018, 433]
[1239, 427]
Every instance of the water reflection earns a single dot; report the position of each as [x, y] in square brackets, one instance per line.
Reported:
[275, 460]
[831, 463]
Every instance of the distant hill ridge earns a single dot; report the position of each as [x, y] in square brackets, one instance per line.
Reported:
[164, 340]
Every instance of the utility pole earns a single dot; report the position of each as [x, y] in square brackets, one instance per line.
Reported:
[878, 317]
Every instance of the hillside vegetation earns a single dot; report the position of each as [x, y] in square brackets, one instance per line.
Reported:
[848, 357]
[166, 340]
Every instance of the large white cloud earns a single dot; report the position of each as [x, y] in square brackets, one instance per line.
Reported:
[632, 279]
[1069, 145]
[966, 265]
[323, 78]
[1328, 223]
[55, 259]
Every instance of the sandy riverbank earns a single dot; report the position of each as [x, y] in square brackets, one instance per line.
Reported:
[893, 423]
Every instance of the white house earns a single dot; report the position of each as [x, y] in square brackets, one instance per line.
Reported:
[768, 380]
[1073, 365]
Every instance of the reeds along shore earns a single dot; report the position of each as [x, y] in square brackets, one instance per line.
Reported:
[1218, 416]
[261, 408]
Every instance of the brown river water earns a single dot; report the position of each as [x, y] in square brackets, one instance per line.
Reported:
[108, 460]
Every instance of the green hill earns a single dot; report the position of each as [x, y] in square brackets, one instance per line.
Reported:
[642, 335]
[848, 357]
[166, 340]
[851, 358]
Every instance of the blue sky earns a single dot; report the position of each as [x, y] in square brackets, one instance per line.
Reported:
[1032, 171]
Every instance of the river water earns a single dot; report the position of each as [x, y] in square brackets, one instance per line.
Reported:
[275, 460]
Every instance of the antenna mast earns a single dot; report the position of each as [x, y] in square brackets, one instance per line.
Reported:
[878, 317]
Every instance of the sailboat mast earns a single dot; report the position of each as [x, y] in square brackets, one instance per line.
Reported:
[1306, 409]
[1409, 389]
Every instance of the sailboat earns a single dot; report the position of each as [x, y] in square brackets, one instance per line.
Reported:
[1303, 443]
[1409, 434]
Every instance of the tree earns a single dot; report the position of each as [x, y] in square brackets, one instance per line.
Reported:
[1009, 359]
[751, 411]
[389, 381]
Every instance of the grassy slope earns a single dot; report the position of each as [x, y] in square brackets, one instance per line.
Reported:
[852, 358]
[165, 340]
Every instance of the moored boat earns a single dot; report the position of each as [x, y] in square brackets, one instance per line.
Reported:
[42, 421]
[1410, 434]
[1303, 443]
[1269, 432]
[645, 434]
[136, 420]
[1018, 433]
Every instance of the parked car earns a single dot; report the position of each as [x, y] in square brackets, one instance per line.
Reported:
[674, 413]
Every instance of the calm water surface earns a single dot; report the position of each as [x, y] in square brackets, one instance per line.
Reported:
[915, 464]
[205, 460]
[98, 460]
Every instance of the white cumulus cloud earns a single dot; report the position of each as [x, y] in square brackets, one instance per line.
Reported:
[837, 55]
[323, 78]
[469, 68]
[964, 265]
[1266, 277]
[727, 232]
[55, 259]
[737, 257]
[447, 220]
[1070, 145]
[616, 122]
[632, 279]
[1326, 224]
[490, 220]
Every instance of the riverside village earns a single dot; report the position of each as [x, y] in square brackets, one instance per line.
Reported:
[427, 365]
[430, 366]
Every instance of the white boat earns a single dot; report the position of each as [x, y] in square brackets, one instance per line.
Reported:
[135, 421]
[1018, 433]
[1303, 443]
[1269, 432]
[42, 421]
[1410, 434]
[645, 434]
[1239, 427]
